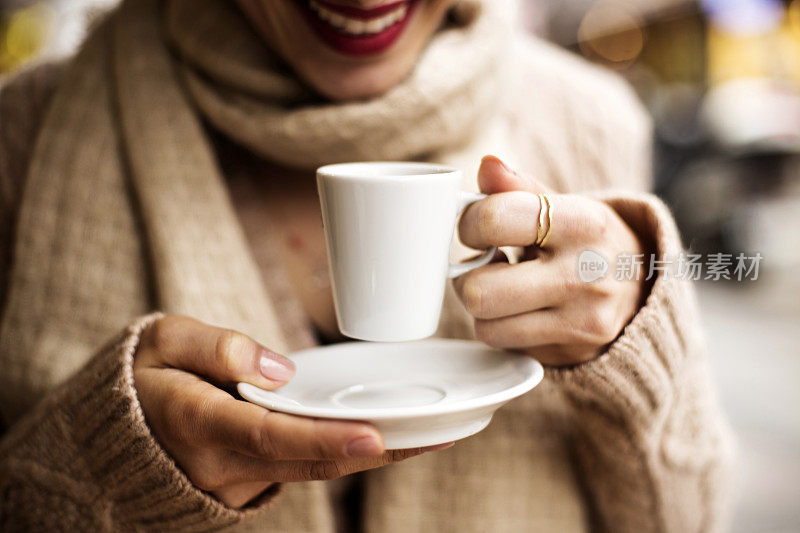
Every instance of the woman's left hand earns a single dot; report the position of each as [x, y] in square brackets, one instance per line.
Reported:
[540, 305]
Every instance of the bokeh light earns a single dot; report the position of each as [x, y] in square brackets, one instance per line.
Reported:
[24, 33]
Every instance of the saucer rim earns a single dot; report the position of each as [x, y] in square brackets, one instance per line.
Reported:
[535, 376]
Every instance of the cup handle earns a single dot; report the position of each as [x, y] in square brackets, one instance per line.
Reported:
[457, 269]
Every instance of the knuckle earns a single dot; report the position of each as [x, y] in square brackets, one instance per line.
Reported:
[490, 220]
[229, 350]
[594, 223]
[319, 447]
[208, 475]
[310, 471]
[194, 416]
[473, 296]
[202, 480]
[182, 417]
[571, 284]
[601, 290]
[335, 469]
[160, 335]
[262, 440]
[323, 470]
[584, 356]
[486, 332]
[401, 455]
[600, 325]
[583, 219]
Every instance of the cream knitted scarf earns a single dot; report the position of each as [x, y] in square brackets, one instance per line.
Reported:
[237, 85]
[125, 209]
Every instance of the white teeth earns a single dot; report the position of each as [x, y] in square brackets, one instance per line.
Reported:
[356, 26]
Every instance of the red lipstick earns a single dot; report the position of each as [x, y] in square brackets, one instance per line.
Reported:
[356, 31]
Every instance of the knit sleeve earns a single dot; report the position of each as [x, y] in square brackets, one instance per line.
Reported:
[85, 460]
[653, 448]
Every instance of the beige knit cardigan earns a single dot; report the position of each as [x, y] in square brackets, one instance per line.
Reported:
[632, 441]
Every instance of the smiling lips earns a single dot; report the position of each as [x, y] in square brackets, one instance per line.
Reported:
[356, 31]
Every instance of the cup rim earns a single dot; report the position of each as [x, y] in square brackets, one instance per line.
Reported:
[403, 170]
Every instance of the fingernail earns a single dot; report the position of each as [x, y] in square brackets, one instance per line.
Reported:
[499, 162]
[364, 447]
[276, 368]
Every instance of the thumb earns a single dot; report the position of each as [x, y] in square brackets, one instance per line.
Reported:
[494, 176]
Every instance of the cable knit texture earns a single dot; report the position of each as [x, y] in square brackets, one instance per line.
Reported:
[115, 203]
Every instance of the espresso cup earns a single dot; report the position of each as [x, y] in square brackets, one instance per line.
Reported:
[388, 230]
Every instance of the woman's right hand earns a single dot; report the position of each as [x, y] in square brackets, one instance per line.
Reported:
[231, 448]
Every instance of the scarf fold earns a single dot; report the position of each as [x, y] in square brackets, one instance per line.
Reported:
[202, 266]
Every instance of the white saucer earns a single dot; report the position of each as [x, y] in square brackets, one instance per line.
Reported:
[417, 393]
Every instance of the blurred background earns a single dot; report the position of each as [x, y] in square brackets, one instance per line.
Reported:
[721, 79]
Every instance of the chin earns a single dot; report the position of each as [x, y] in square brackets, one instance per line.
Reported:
[346, 52]
[356, 53]
[353, 83]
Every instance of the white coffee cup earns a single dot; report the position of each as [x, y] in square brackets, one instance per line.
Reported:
[388, 229]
